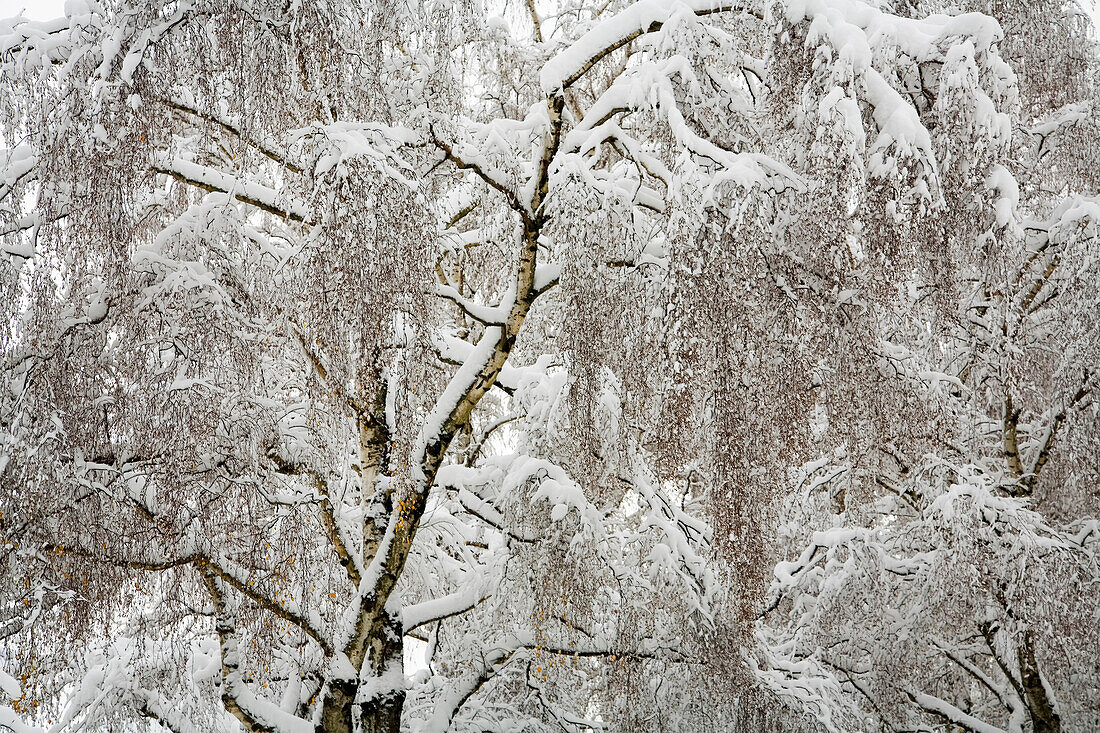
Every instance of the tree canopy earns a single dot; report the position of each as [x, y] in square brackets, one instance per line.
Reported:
[669, 365]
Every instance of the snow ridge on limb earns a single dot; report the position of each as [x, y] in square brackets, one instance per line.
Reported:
[255, 713]
[437, 609]
[851, 25]
[468, 377]
[211, 179]
[646, 16]
[855, 27]
[649, 86]
[42, 42]
[457, 351]
[950, 713]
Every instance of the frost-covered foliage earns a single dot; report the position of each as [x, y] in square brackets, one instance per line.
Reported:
[941, 559]
[528, 366]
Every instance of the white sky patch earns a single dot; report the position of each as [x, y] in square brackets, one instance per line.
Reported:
[32, 9]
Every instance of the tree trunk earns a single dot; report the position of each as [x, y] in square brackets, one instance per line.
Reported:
[1044, 718]
[380, 706]
[383, 715]
[336, 711]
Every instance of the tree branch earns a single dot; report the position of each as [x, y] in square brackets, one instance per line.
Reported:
[1041, 458]
[951, 714]
[268, 151]
[1010, 438]
[971, 669]
[328, 517]
[214, 181]
[226, 628]
[535, 20]
[647, 16]
[509, 195]
[208, 566]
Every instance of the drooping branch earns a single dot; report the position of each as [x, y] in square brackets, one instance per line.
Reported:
[290, 615]
[462, 213]
[988, 631]
[209, 566]
[475, 450]
[494, 662]
[951, 714]
[1027, 479]
[275, 608]
[265, 148]
[1028, 303]
[483, 173]
[214, 181]
[328, 515]
[449, 704]
[22, 37]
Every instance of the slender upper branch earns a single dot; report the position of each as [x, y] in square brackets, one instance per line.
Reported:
[535, 20]
[482, 173]
[228, 126]
[209, 566]
[328, 515]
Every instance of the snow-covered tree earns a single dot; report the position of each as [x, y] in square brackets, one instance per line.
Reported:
[441, 365]
[943, 575]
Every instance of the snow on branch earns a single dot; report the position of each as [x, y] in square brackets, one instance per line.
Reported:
[649, 86]
[647, 16]
[46, 40]
[1005, 693]
[471, 160]
[853, 27]
[247, 192]
[16, 164]
[455, 350]
[476, 360]
[490, 315]
[952, 714]
[266, 147]
[255, 713]
[382, 145]
[437, 609]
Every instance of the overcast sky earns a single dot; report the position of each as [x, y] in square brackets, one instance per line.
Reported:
[35, 9]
